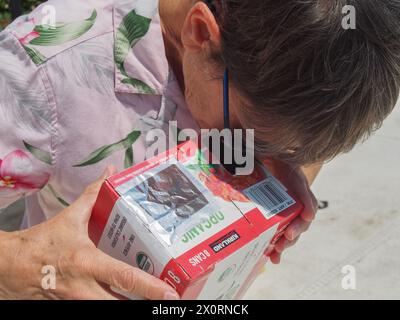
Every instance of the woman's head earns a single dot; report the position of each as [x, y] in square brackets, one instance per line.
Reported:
[310, 88]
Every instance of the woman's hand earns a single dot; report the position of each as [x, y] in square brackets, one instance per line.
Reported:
[82, 271]
[295, 180]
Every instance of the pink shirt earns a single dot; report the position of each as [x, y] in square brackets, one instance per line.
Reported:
[79, 96]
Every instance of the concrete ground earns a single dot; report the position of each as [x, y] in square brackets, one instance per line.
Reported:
[360, 229]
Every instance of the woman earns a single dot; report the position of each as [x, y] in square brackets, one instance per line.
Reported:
[82, 94]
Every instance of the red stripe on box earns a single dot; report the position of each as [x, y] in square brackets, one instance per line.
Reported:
[249, 227]
[175, 276]
[101, 211]
[195, 288]
[207, 257]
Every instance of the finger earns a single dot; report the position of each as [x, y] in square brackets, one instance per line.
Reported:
[283, 244]
[90, 194]
[82, 207]
[94, 292]
[280, 245]
[310, 206]
[107, 288]
[270, 248]
[129, 279]
[297, 181]
[296, 228]
[275, 257]
[289, 244]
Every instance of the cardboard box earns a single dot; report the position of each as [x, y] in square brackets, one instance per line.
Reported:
[193, 225]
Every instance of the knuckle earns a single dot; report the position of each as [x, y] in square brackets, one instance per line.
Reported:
[307, 215]
[315, 204]
[280, 246]
[292, 243]
[127, 279]
[80, 259]
[290, 234]
[283, 244]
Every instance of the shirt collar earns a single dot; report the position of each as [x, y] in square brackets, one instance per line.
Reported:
[141, 65]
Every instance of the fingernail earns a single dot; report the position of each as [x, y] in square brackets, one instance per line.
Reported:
[296, 230]
[289, 233]
[171, 296]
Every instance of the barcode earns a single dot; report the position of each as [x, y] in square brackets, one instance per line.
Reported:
[270, 197]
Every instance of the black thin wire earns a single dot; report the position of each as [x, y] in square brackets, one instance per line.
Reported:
[230, 167]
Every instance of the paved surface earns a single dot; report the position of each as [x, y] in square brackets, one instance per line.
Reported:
[360, 228]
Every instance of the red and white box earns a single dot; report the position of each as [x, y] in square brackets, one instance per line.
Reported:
[194, 225]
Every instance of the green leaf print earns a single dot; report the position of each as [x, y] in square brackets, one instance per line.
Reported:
[133, 28]
[128, 162]
[39, 154]
[140, 85]
[201, 164]
[62, 32]
[35, 55]
[59, 199]
[104, 152]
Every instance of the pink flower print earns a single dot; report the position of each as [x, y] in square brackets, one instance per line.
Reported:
[17, 175]
[25, 31]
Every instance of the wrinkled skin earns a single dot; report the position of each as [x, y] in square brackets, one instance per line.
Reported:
[82, 270]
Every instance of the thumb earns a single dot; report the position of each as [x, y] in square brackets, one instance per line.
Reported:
[85, 202]
[310, 205]
[91, 192]
[120, 275]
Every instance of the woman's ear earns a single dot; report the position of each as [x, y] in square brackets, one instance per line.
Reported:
[200, 30]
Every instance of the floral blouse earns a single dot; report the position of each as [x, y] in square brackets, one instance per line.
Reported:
[78, 95]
